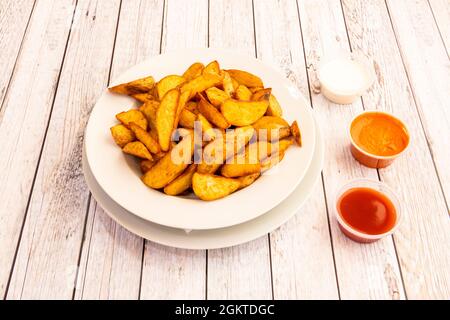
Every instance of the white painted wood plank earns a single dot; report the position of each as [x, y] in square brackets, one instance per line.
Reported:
[111, 261]
[441, 12]
[240, 272]
[14, 17]
[363, 271]
[48, 255]
[301, 249]
[24, 118]
[170, 273]
[423, 239]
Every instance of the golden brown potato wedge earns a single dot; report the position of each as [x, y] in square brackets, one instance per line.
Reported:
[254, 89]
[235, 83]
[201, 83]
[248, 180]
[243, 93]
[207, 128]
[278, 152]
[210, 187]
[146, 165]
[182, 182]
[212, 114]
[143, 97]
[171, 165]
[234, 170]
[145, 137]
[165, 118]
[182, 101]
[216, 96]
[212, 67]
[296, 133]
[142, 85]
[132, 115]
[274, 108]
[262, 94]
[246, 78]
[193, 71]
[272, 128]
[168, 83]
[228, 85]
[187, 119]
[192, 106]
[243, 113]
[137, 148]
[122, 135]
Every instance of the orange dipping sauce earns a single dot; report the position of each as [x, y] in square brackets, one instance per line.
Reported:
[379, 134]
[367, 210]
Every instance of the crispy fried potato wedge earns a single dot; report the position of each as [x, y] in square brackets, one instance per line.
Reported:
[254, 89]
[246, 78]
[122, 135]
[133, 115]
[207, 128]
[296, 133]
[235, 83]
[209, 187]
[269, 122]
[212, 114]
[143, 97]
[277, 154]
[274, 108]
[192, 106]
[262, 94]
[168, 83]
[247, 161]
[193, 71]
[146, 165]
[201, 83]
[149, 110]
[248, 180]
[243, 113]
[234, 170]
[272, 128]
[182, 182]
[145, 137]
[187, 119]
[212, 67]
[142, 85]
[216, 96]
[182, 101]
[137, 148]
[243, 93]
[165, 118]
[228, 85]
[171, 165]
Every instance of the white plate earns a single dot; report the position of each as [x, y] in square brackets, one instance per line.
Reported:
[217, 238]
[119, 176]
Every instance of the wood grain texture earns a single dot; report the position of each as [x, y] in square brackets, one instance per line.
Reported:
[111, 260]
[302, 258]
[47, 260]
[170, 273]
[422, 239]
[240, 272]
[14, 17]
[363, 271]
[24, 118]
[441, 12]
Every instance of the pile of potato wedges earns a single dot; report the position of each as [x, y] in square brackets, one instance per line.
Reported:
[210, 130]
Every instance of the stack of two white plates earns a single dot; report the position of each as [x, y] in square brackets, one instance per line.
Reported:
[186, 222]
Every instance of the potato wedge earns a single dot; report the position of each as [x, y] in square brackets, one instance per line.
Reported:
[168, 83]
[245, 162]
[262, 94]
[254, 89]
[243, 113]
[216, 96]
[143, 97]
[212, 114]
[201, 83]
[274, 108]
[296, 133]
[146, 165]
[145, 137]
[165, 118]
[212, 67]
[171, 165]
[228, 85]
[192, 106]
[184, 98]
[277, 154]
[246, 78]
[243, 93]
[133, 115]
[207, 128]
[142, 85]
[235, 83]
[272, 128]
[210, 187]
[122, 135]
[182, 182]
[193, 71]
[149, 110]
[187, 119]
[248, 180]
[137, 148]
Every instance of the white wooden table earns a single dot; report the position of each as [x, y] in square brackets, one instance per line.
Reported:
[56, 58]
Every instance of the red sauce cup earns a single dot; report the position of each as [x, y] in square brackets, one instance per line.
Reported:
[369, 159]
[350, 231]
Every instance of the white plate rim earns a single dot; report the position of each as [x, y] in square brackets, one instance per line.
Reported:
[216, 238]
[231, 210]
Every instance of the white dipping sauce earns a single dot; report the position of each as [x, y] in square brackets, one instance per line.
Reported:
[344, 76]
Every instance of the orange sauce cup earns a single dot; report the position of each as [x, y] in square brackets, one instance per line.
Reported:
[377, 138]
